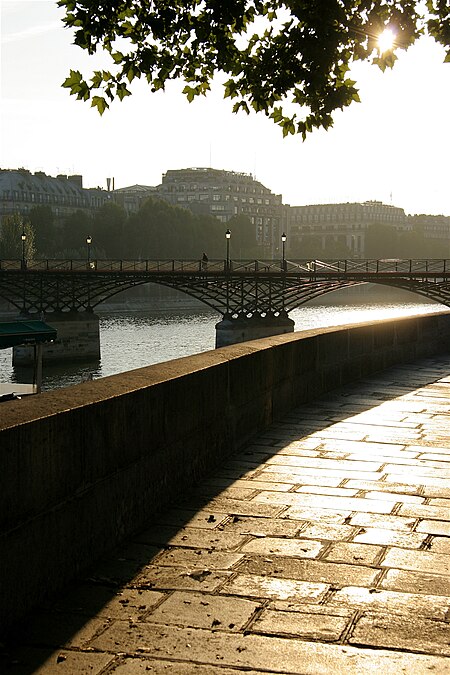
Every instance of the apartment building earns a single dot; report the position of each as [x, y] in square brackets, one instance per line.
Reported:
[435, 228]
[131, 198]
[346, 224]
[21, 190]
[225, 194]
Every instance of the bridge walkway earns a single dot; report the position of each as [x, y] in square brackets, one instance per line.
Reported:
[323, 547]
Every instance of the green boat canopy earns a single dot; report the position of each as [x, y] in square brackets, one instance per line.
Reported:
[14, 333]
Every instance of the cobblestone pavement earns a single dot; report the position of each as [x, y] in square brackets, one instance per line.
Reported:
[324, 547]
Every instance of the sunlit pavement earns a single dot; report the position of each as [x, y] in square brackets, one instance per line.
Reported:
[324, 547]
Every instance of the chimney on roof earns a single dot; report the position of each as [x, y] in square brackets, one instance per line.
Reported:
[77, 180]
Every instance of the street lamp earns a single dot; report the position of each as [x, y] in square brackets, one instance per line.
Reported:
[228, 237]
[283, 248]
[24, 238]
[89, 242]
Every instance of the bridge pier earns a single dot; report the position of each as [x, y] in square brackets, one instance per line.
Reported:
[78, 338]
[232, 330]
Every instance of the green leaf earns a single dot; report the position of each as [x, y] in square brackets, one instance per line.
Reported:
[190, 93]
[241, 105]
[117, 57]
[97, 79]
[73, 79]
[99, 103]
[277, 115]
[127, 28]
[122, 91]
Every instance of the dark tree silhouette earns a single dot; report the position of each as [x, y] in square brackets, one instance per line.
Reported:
[286, 58]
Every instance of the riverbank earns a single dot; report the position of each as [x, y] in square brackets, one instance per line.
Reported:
[133, 338]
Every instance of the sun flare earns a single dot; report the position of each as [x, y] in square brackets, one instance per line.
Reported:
[386, 40]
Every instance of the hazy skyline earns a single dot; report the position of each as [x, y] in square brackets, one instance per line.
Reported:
[392, 147]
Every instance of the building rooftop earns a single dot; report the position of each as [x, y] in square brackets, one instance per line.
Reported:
[136, 188]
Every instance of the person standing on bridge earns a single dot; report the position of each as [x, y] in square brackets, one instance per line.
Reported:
[204, 262]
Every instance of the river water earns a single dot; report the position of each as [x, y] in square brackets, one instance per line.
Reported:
[132, 339]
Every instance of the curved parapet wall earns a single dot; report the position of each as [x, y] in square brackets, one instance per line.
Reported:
[82, 468]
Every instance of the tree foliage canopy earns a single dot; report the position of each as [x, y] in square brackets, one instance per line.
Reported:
[289, 59]
[160, 230]
[43, 224]
[11, 245]
[156, 230]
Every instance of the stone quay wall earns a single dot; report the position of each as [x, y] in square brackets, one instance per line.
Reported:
[82, 468]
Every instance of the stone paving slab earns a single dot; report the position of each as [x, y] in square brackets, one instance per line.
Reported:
[323, 547]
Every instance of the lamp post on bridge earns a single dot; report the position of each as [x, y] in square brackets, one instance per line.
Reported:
[23, 266]
[227, 269]
[23, 238]
[88, 244]
[228, 237]
[283, 249]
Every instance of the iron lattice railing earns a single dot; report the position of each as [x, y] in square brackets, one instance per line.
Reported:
[306, 266]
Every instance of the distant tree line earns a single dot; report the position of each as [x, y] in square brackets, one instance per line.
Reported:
[157, 231]
[162, 231]
[381, 241]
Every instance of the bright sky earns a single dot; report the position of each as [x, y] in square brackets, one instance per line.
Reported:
[393, 147]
